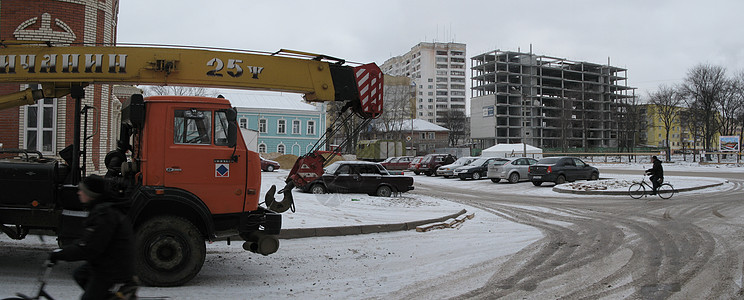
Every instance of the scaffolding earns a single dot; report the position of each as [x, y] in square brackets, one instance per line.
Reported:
[550, 102]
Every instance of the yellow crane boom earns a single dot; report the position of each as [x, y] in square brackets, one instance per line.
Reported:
[58, 68]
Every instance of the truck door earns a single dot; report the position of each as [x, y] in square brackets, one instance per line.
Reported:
[197, 159]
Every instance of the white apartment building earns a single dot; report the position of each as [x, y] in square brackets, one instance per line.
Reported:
[438, 72]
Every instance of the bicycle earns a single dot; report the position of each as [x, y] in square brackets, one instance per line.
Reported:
[123, 291]
[638, 189]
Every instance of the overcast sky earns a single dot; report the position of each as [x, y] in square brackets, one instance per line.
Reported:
[657, 41]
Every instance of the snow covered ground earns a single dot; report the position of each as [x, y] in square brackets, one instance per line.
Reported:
[340, 267]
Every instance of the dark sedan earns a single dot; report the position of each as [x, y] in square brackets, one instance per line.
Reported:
[561, 169]
[359, 177]
[476, 169]
[269, 165]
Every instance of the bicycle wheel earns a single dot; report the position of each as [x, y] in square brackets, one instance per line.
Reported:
[636, 190]
[666, 191]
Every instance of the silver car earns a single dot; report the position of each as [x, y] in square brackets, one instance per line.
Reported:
[513, 169]
[449, 170]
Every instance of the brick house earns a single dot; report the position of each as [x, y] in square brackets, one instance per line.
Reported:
[47, 126]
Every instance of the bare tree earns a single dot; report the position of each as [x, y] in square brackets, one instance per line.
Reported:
[631, 122]
[704, 88]
[691, 119]
[732, 106]
[172, 90]
[457, 123]
[665, 102]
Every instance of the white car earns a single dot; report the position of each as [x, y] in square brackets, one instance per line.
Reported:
[449, 170]
[513, 169]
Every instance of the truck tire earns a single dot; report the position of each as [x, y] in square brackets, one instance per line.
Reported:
[169, 251]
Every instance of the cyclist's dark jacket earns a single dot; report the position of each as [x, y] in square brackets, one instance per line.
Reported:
[107, 243]
[657, 170]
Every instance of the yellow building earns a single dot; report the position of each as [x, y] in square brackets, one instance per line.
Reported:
[679, 137]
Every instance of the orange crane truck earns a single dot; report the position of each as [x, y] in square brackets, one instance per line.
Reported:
[180, 163]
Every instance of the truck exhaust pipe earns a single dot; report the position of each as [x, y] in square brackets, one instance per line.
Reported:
[261, 243]
[285, 204]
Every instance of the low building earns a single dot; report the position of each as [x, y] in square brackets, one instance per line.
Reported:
[420, 136]
[284, 123]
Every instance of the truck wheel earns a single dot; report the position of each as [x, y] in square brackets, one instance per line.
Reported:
[169, 251]
[384, 191]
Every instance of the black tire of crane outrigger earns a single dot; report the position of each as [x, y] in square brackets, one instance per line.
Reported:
[169, 251]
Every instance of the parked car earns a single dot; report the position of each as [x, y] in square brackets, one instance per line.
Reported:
[431, 162]
[359, 177]
[397, 163]
[269, 165]
[560, 170]
[449, 170]
[415, 165]
[476, 169]
[513, 169]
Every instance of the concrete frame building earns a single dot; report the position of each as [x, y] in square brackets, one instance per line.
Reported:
[438, 72]
[545, 101]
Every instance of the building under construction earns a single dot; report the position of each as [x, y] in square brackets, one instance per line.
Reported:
[545, 101]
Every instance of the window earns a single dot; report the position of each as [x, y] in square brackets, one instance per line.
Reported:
[431, 79]
[441, 86]
[243, 123]
[441, 79]
[441, 66]
[430, 100]
[431, 86]
[441, 72]
[440, 52]
[281, 127]
[296, 126]
[457, 73]
[280, 148]
[457, 53]
[441, 93]
[441, 59]
[192, 127]
[262, 126]
[262, 148]
[430, 94]
[40, 119]
[220, 128]
[430, 106]
[457, 86]
[310, 127]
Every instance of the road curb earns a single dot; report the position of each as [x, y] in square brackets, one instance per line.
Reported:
[296, 233]
[597, 192]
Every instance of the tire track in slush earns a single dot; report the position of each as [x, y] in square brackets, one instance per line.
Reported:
[668, 248]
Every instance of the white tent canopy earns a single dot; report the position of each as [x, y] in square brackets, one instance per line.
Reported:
[512, 150]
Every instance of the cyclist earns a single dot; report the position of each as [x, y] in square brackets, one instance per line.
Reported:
[106, 245]
[657, 174]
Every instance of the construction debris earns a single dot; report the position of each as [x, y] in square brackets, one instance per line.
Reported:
[450, 223]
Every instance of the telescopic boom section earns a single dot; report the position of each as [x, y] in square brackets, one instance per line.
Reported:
[59, 68]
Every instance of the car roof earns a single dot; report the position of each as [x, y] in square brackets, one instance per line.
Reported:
[356, 162]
